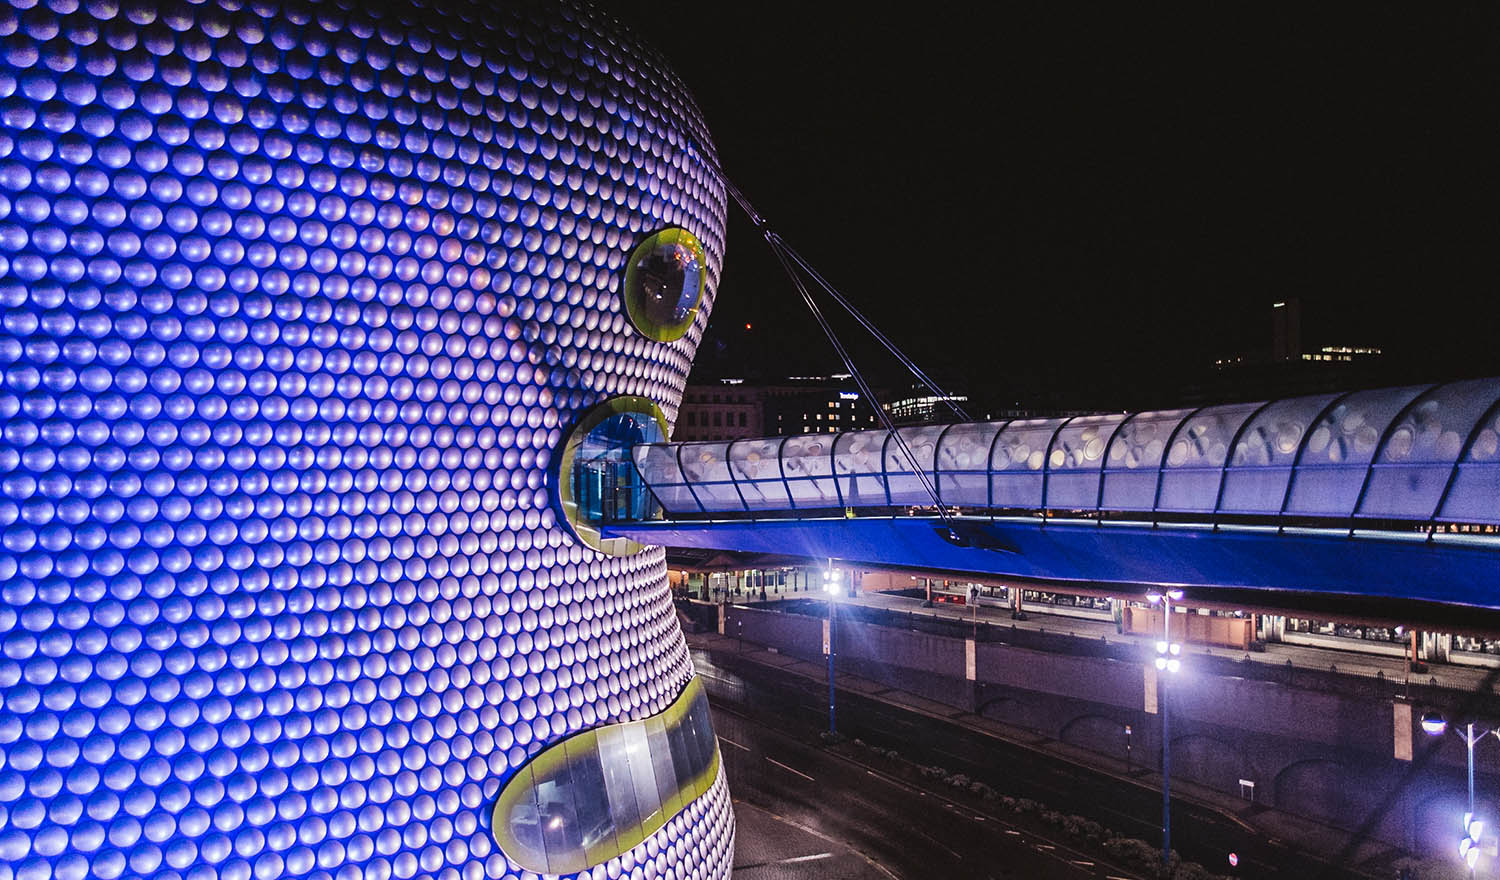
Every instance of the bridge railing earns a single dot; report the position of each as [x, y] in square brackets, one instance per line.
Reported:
[1428, 454]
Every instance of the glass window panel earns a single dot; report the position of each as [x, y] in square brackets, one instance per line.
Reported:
[922, 441]
[618, 784]
[807, 455]
[643, 774]
[521, 820]
[1339, 448]
[562, 835]
[590, 799]
[662, 758]
[684, 746]
[1017, 490]
[1203, 441]
[1472, 498]
[703, 730]
[1081, 444]
[705, 462]
[1022, 445]
[1273, 436]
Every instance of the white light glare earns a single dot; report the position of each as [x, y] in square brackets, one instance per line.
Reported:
[1173, 664]
[1161, 663]
[1176, 648]
[1161, 647]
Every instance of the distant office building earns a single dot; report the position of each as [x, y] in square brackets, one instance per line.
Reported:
[731, 409]
[725, 410]
[1289, 347]
[923, 408]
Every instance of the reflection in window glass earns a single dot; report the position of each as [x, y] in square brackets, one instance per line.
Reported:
[617, 781]
[596, 828]
[667, 784]
[664, 283]
[601, 792]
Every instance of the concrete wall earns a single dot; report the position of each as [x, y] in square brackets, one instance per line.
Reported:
[1326, 753]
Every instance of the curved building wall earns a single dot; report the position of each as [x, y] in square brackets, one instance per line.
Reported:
[296, 302]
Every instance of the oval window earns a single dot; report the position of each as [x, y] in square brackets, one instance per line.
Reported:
[595, 480]
[596, 795]
[664, 284]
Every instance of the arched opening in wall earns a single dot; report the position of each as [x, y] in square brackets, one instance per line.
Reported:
[1212, 762]
[1003, 707]
[1105, 735]
[1320, 788]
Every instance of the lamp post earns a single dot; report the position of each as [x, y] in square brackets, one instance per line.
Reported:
[1434, 724]
[831, 587]
[1166, 661]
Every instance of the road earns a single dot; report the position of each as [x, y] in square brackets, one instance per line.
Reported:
[778, 716]
[805, 812]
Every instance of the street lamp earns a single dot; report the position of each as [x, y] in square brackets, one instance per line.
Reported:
[1167, 660]
[1434, 724]
[831, 587]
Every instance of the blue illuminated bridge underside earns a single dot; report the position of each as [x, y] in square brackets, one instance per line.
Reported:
[1390, 493]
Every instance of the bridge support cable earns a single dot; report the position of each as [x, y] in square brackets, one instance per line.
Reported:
[789, 261]
[760, 224]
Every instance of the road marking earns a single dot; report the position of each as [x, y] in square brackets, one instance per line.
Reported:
[1011, 832]
[1114, 877]
[791, 769]
[1081, 863]
[1046, 846]
[814, 858]
[725, 739]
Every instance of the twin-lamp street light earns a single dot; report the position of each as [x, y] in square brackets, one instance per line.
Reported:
[1167, 661]
[1434, 724]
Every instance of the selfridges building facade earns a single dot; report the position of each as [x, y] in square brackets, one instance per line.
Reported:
[302, 305]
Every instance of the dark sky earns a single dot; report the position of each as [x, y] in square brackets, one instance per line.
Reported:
[1048, 194]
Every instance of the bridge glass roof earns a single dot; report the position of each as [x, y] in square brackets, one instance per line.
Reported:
[1418, 453]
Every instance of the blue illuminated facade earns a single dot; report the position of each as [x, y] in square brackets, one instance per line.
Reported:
[296, 303]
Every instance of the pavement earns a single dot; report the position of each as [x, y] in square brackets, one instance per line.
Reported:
[1465, 674]
[1372, 858]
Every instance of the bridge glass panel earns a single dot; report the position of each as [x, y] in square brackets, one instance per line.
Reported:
[755, 466]
[1339, 449]
[706, 466]
[1016, 464]
[856, 461]
[1076, 460]
[809, 470]
[1261, 462]
[1135, 455]
[1195, 461]
[905, 486]
[1476, 485]
[1412, 468]
[963, 464]
[658, 467]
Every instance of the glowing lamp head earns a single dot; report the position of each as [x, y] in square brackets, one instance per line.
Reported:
[1433, 724]
[1153, 597]
[1162, 647]
[1161, 663]
[1476, 829]
[1174, 595]
[1174, 664]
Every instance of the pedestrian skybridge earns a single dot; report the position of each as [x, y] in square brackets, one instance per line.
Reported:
[1359, 491]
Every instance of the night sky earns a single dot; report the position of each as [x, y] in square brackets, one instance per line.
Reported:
[1046, 197]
